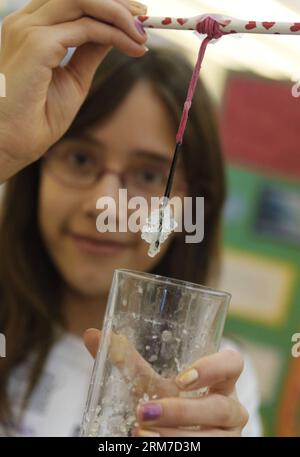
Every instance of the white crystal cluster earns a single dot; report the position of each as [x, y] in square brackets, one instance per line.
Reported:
[158, 227]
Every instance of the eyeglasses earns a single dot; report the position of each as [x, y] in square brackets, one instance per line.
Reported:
[79, 164]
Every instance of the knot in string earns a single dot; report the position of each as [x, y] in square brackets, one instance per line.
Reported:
[210, 27]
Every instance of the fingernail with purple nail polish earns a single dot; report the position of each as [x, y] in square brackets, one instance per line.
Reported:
[150, 411]
[139, 27]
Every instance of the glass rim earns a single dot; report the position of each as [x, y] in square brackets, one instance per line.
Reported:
[176, 282]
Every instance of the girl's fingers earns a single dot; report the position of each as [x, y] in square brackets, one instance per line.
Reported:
[166, 416]
[33, 6]
[51, 43]
[88, 30]
[212, 411]
[136, 8]
[138, 371]
[132, 365]
[132, 5]
[218, 371]
[172, 432]
[125, 3]
[136, 4]
[107, 11]
[85, 61]
[88, 55]
[137, 11]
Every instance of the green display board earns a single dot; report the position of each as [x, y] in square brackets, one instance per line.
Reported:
[262, 271]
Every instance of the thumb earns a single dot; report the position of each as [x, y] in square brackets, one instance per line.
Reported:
[131, 364]
[91, 339]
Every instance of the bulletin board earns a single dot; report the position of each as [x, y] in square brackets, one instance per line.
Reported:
[261, 268]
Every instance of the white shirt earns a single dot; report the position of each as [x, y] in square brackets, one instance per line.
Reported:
[58, 401]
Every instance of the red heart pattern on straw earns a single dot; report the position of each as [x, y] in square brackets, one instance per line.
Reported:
[167, 21]
[143, 18]
[235, 25]
[295, 27]
[251, 25]
[182, 21]
[268, 25]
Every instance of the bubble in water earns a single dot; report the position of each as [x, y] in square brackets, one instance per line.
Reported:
[153, 358]
[166, 336]
[177, 364]
[118, 402]
[123, 429]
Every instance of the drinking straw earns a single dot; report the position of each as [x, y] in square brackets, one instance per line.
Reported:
[228, 24]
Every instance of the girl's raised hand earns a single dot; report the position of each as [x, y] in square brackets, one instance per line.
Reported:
[42, 98]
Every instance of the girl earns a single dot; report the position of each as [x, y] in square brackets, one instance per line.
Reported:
[56, 269]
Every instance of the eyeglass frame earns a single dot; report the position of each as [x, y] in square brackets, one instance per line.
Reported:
[121, 174]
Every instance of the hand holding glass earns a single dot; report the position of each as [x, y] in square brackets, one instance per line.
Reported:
[154, 328]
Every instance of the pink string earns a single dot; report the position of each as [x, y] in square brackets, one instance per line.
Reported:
[211, 28]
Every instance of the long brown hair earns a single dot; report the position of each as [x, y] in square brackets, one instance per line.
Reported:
[30, 286]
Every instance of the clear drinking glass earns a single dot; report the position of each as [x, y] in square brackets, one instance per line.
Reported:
[154, 327]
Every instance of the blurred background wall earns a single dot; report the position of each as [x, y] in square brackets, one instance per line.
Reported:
[254, 81]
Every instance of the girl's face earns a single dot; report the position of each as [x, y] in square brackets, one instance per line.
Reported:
[139, 139]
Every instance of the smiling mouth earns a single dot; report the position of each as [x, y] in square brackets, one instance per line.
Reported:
[98, 247]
